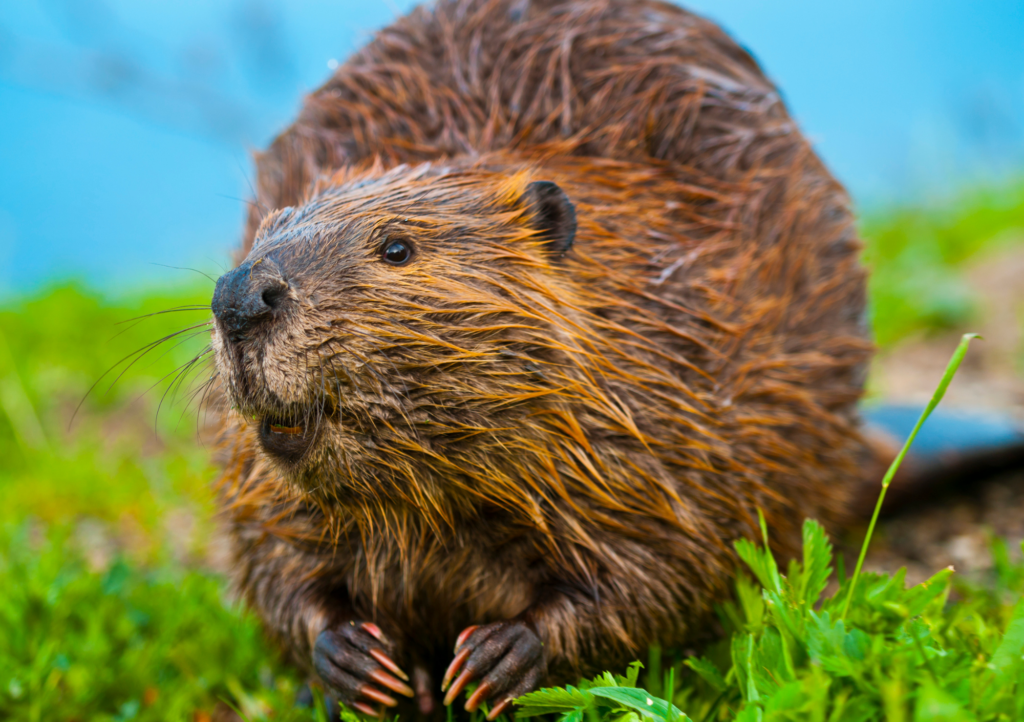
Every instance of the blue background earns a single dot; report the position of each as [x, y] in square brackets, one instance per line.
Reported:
[127, 124]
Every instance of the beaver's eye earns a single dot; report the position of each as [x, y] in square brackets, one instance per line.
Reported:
[397, 253]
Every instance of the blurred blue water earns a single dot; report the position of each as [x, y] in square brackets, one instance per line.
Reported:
[125, 126]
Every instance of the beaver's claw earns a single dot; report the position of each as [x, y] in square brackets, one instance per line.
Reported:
[506, 657]
[353, 660]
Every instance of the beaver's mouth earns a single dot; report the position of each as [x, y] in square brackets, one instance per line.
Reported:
[287, 438]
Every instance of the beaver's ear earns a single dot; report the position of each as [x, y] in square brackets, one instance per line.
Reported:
[552, 214]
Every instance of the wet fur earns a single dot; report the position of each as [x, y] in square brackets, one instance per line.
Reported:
[504, 431]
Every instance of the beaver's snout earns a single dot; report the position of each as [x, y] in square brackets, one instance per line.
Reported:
[248, 296]
[252, 304]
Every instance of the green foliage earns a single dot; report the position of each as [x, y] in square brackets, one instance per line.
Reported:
[916, 253]
[901, 654]
[125, 642]
[607, 696]
[799, 655]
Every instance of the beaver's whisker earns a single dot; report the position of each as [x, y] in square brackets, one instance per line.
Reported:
[191, 391]
[321, 400]
[202, 391]
[255, 201]
[186, 268]
[307, 408]
[180, 373]
[181, 342]
[139, 319]
[138, 354]
[325, 398]
[154, 345]
[310, 409]
[176, 309]
[251, 204]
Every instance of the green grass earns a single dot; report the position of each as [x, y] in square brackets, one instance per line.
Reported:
[108, 609]
[112, 461]
[128, 642]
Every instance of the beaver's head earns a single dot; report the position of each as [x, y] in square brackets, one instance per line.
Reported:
[394, 318]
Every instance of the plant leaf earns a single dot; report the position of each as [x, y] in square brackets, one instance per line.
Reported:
[817, 562]
[935, 704]
[707, 671]
[1010, 652]
[918, 597]
[640, 701]
[551, 699]
[632, 673]
[761, 563]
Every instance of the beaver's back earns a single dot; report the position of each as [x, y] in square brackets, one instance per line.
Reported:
[609, 78]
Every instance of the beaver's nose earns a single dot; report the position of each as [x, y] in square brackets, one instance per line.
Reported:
[247, 296]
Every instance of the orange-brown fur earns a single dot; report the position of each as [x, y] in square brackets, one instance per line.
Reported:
[503, 431]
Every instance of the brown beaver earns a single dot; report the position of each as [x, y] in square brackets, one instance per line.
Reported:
[542, 301]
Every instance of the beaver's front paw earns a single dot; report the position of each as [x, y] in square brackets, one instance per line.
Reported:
[351, 660]
[507, 658]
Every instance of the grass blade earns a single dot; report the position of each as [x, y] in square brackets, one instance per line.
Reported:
[940, 391]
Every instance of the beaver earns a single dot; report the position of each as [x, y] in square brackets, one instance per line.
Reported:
[539, 303]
